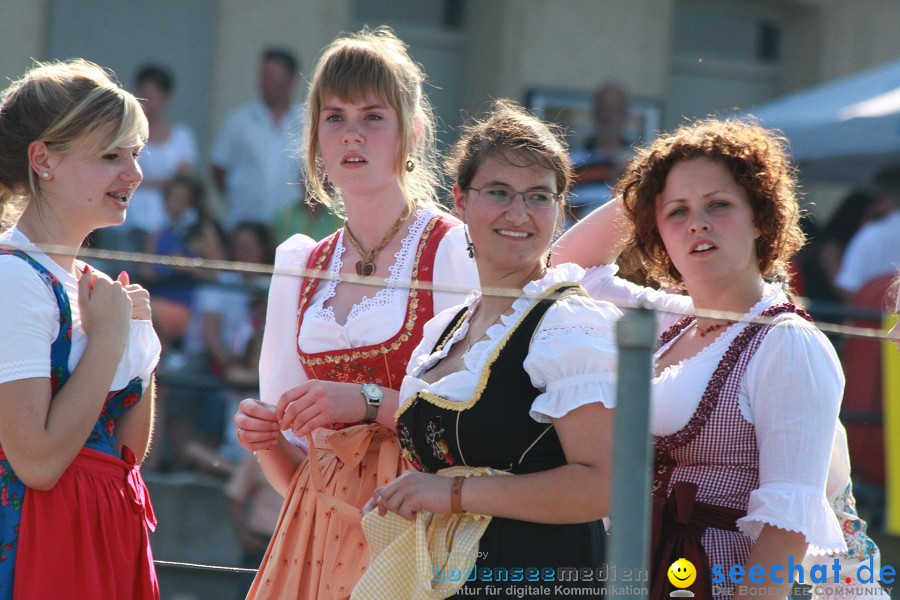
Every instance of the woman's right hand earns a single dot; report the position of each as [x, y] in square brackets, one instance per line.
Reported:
[104, 307]
[256, 425]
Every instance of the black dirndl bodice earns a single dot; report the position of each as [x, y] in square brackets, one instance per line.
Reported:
[494, 429]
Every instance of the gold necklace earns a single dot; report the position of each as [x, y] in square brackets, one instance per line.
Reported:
[366, 265]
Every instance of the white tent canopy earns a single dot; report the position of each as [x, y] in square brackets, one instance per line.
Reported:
[842, 130]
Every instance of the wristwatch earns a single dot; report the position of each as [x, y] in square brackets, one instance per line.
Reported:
[373, 395]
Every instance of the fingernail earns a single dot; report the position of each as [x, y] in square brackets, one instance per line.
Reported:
[85, 269]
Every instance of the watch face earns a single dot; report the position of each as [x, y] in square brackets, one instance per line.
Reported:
[372, 392]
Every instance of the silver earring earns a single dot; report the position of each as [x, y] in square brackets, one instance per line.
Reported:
[410, 165]
[470, 247]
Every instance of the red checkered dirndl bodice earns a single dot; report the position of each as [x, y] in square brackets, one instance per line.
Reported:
[717, 449]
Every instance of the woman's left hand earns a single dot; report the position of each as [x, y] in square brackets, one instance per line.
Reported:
[140, 298]
[316, 403]
[412, 492]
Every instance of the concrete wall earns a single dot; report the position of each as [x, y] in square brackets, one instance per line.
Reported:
[245, 28]
[194, 527]
[509, 46]
[574, 44]
[22, 36]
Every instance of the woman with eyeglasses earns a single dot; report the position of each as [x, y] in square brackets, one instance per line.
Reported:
[519, 379]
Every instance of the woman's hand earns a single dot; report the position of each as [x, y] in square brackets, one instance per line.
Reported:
[104, 306]
[256, 425]
[140, 298]
[317, 403]
[410, 493]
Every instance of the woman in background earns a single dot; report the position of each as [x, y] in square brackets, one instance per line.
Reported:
[171, 148]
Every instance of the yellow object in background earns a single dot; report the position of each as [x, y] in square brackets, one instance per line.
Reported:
[890, 362]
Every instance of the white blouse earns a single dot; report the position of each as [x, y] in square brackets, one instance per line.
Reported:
[373, 320]
[29, 321]
[791, 393]
[572, 357]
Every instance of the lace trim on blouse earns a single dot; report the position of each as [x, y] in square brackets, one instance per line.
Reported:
[770, 296]
[386, 296]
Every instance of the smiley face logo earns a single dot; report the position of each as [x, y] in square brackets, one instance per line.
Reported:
[682, 573]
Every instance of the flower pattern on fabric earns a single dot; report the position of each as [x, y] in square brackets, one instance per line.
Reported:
[439, 447]
[102, 436]
[859, 545]
[408, 449]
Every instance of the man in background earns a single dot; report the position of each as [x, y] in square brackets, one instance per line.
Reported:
[600, 163]
[254, 161]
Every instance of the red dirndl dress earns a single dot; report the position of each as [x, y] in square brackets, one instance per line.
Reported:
[86, 538]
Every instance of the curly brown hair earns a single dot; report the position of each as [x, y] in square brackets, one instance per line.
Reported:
[756, 158]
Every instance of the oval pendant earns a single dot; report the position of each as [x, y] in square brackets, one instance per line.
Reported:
[364, 268]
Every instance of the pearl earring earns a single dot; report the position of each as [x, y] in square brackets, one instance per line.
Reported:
[45, 174]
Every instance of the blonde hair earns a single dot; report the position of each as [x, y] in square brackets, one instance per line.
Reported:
[62, 104]
[375, 62]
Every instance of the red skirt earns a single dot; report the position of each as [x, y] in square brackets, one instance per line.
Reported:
[87, 537]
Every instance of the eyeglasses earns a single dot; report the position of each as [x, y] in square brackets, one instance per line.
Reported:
[501, 196]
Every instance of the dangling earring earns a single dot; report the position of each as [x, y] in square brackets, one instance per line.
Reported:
[549, 256]
[410, 165]
[470, 247]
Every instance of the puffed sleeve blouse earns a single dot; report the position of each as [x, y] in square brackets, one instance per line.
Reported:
[374, 319]
[29, 321]
[791, 392]
[571, 360]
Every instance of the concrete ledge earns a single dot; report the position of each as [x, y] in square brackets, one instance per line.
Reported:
[194, 527]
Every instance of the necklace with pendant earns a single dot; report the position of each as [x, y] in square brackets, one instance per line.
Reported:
[365, 266]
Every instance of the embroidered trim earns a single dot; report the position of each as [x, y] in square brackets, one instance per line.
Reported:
[378, 349]
[549, 333]
[460, 319]
[387, 294]
[815, 548]
[665, 444]
[408, 448]
[442, 402]
[434, 435]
